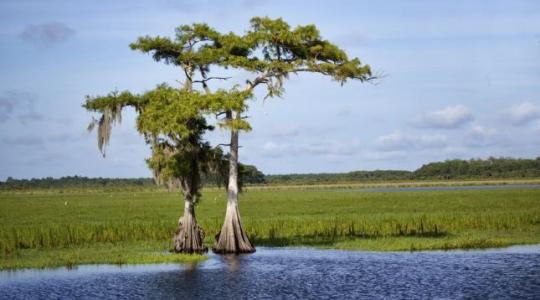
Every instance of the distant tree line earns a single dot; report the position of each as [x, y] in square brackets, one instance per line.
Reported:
[75, 182]
[248, 175]
[450, 169]
[322, 178]
[480, 168]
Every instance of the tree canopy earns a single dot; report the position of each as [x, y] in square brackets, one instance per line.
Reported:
[270, 49]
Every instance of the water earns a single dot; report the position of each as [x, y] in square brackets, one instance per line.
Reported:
[297, 273]
[445, 188]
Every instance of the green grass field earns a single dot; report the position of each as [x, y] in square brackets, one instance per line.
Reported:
[53, 228]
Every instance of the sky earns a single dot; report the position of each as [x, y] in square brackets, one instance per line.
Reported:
[461, 79]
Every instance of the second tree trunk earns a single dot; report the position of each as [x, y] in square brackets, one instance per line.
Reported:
[189, 236]
[233, 238]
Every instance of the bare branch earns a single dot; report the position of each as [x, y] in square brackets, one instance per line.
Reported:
[263, 78]
[377, 78]
[203, 81]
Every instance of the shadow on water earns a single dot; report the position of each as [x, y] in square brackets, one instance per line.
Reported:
[232, 261]
[235, 262]
[190, 267]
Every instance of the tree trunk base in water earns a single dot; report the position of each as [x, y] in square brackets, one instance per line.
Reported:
[232, 239]
[189, 237]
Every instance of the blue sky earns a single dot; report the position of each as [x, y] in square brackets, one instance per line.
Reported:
[462, 80]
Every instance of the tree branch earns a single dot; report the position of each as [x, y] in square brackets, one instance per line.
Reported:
[210, 78]
[263, 78]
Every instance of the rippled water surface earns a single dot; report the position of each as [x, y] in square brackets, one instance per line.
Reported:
[297, 273]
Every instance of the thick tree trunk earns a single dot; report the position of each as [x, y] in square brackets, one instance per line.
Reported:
[232, 238]
[189, 236]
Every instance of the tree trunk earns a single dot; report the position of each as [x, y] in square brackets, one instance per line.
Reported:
[232, 238]
[189, 236]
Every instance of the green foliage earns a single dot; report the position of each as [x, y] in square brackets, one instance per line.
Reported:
[194, 45]
[271, 50]
[112, 101]
[286, 50]
[171, 124]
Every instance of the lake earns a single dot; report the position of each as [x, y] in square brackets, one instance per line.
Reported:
[297, 273]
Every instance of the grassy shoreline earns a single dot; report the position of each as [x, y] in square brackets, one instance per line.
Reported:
[125, 227]
[100, 253]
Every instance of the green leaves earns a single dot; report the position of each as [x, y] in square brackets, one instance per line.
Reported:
[167, 112]
[194, 46]
[112, 100]
[236, 124]
[270, 48]
[162, 48]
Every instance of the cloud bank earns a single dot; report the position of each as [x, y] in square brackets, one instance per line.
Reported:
[447, 118]
[403, 141]
[523, 113]
[480, 136]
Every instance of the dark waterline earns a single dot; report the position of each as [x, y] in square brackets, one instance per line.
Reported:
[444, 188]
[297, 273]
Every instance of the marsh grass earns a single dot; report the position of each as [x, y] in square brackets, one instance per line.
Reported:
[39, 229]
[98, 253]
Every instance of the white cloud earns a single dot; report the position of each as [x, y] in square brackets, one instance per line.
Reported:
[523, 113]
[397, 141]
[480, 136]
[344, 111]
[26, 141]
[66, 137]
[447, 118]
[285, 131]
[385, 155]
[536, 129]
[330, 149]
